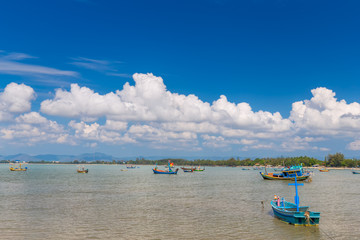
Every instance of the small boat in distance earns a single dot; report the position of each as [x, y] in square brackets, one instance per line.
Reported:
[198, 169]
[168, 171]
[287, 173]
[188, 169]
[17, 166]
[293, 213]
[323, 169]
[130, 166]
[355, 171]
[81, 169]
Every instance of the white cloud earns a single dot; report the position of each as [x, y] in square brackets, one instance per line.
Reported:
[220, 141]
[31, 118]
[115, 125]
[324, 115]
[107, 67]
[240, 115]
[9, 66]
[149, 115]
[16, 56]
[96, 132]
[16, 98]
[31, 128]
[355, 145]
[149, 100]
[149, 133]
[92, 64]
[202, 127]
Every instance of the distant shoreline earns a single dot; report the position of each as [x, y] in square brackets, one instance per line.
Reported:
[109, 163]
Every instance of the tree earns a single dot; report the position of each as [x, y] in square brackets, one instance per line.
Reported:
[334, 160]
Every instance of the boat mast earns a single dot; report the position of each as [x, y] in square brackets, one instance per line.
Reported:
[297, 200]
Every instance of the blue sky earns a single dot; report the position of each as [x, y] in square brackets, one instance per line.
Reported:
[262, 56]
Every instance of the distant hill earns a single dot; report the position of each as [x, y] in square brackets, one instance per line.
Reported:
[61, 158]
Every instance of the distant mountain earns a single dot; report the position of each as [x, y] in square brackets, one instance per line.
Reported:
[62, 158]
[52, 157]
[21, 157]
[96, 156]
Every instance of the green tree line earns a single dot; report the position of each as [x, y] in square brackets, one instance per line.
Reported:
[331, 160]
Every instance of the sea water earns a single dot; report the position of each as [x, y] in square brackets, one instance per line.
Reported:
[56, 202]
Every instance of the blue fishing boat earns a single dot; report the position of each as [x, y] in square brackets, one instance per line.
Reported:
[167, 171]
[130, 166]
[287, 173]
[293, 213]
[355, 172]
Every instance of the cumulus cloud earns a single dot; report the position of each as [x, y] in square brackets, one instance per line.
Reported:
[323, 114]
[16, 98]
[96, 132]
[355, 145]
[299, 143]
[31, 128]
[148, 114]
[149, 100]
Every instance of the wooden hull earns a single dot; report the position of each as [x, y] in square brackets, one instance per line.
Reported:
[199, 170]
[188, 169]
[83, 171]
[271, 177]
[18, 169]
[157, 171]
[323, 170]
[290, 215]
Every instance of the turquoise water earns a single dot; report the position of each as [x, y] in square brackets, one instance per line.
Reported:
[55, 202]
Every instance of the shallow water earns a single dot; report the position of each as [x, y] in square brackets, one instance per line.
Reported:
[55, 202]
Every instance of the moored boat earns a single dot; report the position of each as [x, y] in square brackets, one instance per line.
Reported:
[17, 166]
[167, 171]
[323, 170]
[81, 169]
[355, 172]
[198, 169]
[130, 166]
[287, 173]
[293, 213]
[188, 169]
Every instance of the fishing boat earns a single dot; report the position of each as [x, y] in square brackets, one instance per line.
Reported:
[17, 166]
[81, 169]
[167, 171]
[293, 213]
[355, 171]
[287, 173]
[323, 170]
[188, 169]
[245, 169]
[130, 166]
[198, 169]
